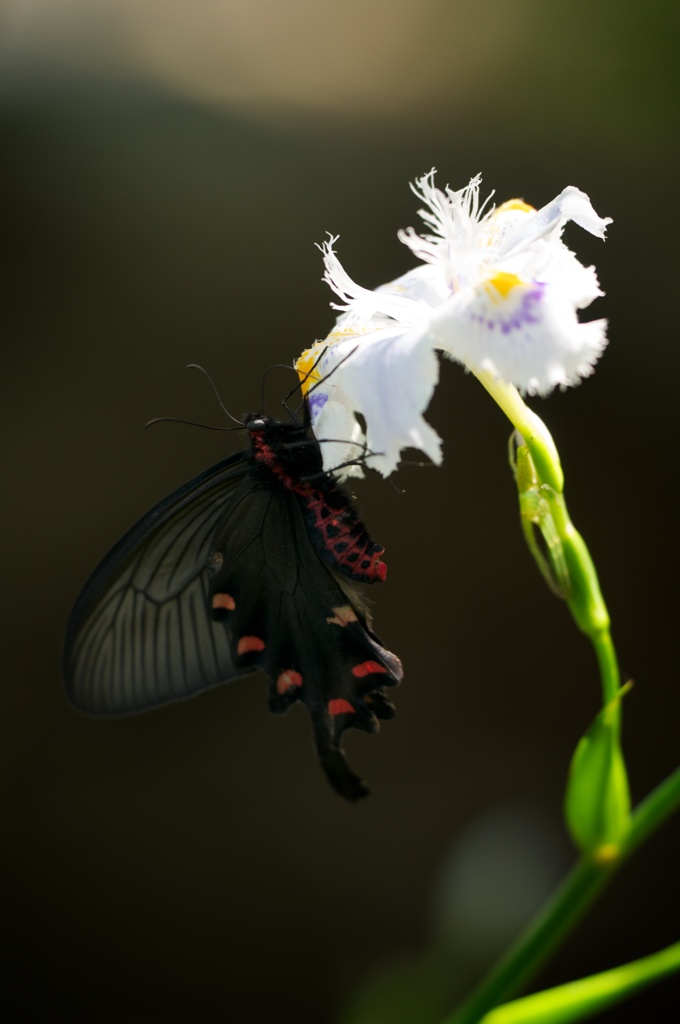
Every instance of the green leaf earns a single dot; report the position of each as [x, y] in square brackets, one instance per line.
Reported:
[582, 999]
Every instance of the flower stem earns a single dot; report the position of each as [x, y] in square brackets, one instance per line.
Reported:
[582, 591]
[609, 668]
[542, 500]
[536, 435]
[565, 909]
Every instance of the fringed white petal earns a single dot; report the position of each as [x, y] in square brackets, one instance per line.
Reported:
[529, 337]
[531, 227]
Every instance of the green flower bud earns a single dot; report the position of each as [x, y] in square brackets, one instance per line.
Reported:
[597, 802]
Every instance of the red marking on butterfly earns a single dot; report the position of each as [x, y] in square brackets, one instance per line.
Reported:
[345, 538]
[340, 706]
[251, 566]
[248, 644]
[368, 668]
[288, 681]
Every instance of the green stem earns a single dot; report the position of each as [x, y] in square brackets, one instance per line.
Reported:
[607, 661]
[585, 599]
[584, 596]
[564, 910]
[592, 872]
[661, 803]
[536, 944]
[534, 432]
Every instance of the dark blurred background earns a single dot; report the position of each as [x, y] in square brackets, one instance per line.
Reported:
[166, 170]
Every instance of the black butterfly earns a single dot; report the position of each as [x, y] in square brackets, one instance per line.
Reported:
[254, 564]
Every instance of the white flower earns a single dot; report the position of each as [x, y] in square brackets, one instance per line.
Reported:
[497, 290]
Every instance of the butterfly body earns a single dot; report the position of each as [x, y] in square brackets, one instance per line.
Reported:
[338, 533]
[252, 565]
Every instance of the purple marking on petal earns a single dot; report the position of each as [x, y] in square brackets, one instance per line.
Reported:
[527, 312]
[317, 400]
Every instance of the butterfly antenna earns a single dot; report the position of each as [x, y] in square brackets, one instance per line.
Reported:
[188, 423]
[307, 374]
[278, 366]
[195, 366]
[310, 373]
[294, 414]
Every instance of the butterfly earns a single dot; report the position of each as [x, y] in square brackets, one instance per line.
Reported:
[256, 564]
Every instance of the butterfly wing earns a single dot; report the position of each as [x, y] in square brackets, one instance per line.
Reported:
[235, 540]
[140, 633]
[289, 614]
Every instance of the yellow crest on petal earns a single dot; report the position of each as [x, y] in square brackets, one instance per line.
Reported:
[306, 366]
[515, 204]
[501, 284]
